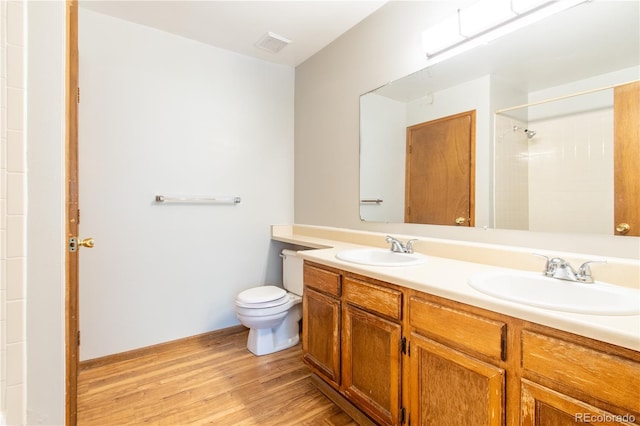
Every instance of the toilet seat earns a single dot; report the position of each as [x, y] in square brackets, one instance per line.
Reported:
[265, 312]
[267, 296]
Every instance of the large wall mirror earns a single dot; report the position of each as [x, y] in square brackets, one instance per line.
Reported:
[541, 143]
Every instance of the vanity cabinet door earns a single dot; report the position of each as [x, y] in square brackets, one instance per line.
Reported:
[371, 367]
[321, 334]
[448, 387]
[542, 406]
[574, 369]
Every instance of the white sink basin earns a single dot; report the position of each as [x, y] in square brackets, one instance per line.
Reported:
[380, 257]
[537, 290]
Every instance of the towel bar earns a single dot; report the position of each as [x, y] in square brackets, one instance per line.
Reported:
[205, 200]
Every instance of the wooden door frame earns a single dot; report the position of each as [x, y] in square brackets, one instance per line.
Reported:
[626, 150]
[72, 215]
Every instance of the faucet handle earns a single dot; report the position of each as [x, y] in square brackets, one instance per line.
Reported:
[558, 261]
[396, 245]
[552, 264]
[547, 265]
[584, 271]
[408, 247]
[393, 241]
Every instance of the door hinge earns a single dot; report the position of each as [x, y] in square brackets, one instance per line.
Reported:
[404, 346]
[78, 96]
[78, 217]
[78, 337]
[403, 415]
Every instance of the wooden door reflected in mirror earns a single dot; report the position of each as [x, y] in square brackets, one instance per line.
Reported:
[440, 171]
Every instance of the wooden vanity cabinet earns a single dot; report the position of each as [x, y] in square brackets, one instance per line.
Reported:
[371, 348]
[456, 366]
[321, 322]
[569, 380]
[402, 356]
[542, 406]
[352, 336]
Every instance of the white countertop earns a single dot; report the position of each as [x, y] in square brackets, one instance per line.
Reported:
[447, 278]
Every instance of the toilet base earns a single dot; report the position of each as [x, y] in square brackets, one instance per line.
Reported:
[263, 341]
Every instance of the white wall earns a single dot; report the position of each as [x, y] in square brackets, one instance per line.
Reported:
[382, 158]
[45, 247]
[382, 48]
[161, 114]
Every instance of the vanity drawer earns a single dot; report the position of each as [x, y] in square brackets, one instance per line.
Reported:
[603, 375]
[321, 279]
[466, 330]
[374, 298]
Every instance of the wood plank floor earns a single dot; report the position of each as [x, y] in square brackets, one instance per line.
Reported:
[208, 380]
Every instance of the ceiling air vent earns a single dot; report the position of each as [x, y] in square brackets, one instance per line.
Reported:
[272, 42]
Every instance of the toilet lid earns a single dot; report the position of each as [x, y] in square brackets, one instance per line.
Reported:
[267, 293]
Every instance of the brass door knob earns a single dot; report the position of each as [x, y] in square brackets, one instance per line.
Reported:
[87, 242]
[460, 220]
[623, 228]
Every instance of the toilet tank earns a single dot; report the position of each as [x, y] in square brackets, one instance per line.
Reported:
[292, 271]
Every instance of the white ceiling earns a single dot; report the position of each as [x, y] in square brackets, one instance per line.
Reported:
[237, 25]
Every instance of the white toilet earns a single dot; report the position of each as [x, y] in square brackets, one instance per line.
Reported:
[271, 313]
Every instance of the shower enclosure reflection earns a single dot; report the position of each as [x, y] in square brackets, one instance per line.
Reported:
[547, 178]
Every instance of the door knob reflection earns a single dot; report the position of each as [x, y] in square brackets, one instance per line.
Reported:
[623, 228]
[87, 242]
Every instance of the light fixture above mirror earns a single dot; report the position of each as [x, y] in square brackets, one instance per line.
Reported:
[484, 21]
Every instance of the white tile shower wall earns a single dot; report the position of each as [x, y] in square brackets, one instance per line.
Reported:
[511, 175]
[571, 169]
[13, 211]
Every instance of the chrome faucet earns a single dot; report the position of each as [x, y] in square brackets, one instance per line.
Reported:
[398, 246]
[559, 268]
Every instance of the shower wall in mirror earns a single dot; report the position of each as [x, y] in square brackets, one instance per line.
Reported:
[553, 163]
[523, 180]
